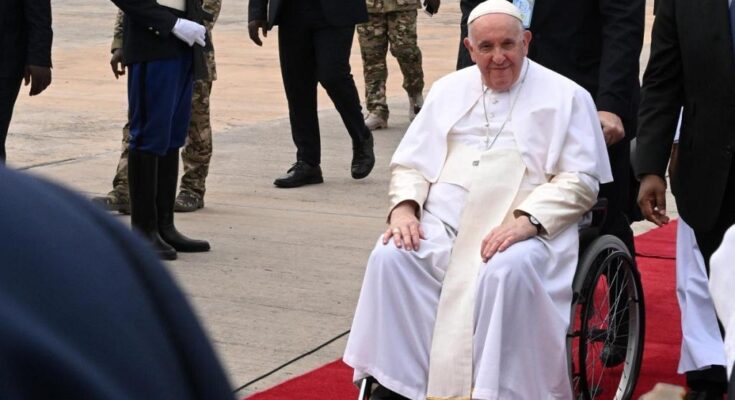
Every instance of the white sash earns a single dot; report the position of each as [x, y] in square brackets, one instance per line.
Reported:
[495, 184]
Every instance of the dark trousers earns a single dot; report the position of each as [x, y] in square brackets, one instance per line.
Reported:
[159, 103]
[311, 52]
[9, 88]
[618, 194]
[710, 240]
[463, 55]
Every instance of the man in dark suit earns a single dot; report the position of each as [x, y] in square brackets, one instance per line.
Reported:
[25, 54]
[692, 65]
[163, 44]
[314, 41]
[597, 44]
[87, 310]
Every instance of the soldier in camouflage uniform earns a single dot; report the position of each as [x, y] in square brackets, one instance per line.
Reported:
[197, 150]
[391, 22]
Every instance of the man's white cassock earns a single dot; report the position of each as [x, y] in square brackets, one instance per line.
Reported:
[419, 328]
[721, 284]
[701, 342]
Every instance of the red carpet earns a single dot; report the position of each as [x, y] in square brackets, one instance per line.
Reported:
[663, 333]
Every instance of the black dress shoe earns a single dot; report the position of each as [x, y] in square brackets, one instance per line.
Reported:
[383, 393]
[300, 174]
[363, 158]
[704, 395]
[707, 384]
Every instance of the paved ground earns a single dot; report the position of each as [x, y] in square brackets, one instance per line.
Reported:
[286, 265]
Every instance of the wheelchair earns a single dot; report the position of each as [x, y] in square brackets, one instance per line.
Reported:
[607, 324]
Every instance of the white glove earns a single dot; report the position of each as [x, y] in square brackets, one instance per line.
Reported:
[190, 32]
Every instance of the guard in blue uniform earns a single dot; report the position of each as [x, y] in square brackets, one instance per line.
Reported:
[163, 43]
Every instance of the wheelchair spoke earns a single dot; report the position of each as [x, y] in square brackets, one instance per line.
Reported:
[606, 337]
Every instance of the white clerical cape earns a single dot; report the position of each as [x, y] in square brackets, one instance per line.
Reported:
[558, 135]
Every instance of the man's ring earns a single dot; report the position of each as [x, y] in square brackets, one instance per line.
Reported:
[396, 231]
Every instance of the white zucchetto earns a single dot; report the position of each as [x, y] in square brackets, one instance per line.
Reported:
[494, 7]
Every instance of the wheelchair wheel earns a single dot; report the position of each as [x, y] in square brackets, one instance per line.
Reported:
[608, 323]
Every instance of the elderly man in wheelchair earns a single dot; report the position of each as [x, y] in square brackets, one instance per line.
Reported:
[467, 294]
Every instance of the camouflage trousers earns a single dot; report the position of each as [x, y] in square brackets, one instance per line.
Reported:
[397, 29]
[197, 150]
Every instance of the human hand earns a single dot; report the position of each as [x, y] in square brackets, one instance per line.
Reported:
[117, 64]
[673, 159]
[38, 77]
[253, 27]
[190, 32]
[505, 235]
[404, 227]
[432, 6]
[652, 199]
[612, 127]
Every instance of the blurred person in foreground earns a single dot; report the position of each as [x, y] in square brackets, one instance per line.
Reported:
[487, 188]
[87, 310]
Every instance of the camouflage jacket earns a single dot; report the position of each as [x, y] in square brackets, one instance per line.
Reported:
[211, 6]
[385, 6]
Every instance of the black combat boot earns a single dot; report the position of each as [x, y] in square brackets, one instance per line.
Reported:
[143, 181]
[168, 175]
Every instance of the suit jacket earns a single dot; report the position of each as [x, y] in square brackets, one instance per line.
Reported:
[336, 12]
[691, 65]
[25, 35]
[597, 44]
[87, 310]
[147, 29]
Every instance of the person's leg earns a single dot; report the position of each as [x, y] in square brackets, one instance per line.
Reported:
[373, 39]
[9, 89]
[394, 320]
[298, 70]
[168, 163]
[463, 56]
[155, 96]
[120, 181]
[118, 199]
[617, 224]
[404, 47]
[521, 316]
[617, 195]
[710, 240]
[197, 150]
[701, 344]
[332, 47]
[714, 379]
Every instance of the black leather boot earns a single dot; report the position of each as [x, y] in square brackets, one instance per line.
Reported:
[168, 174]
[143, 181]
